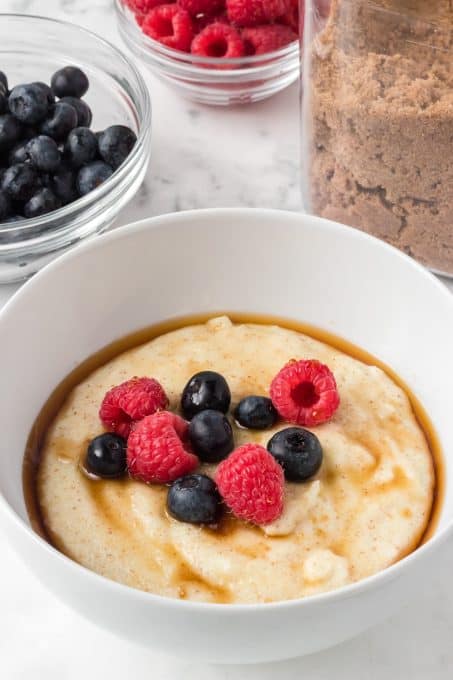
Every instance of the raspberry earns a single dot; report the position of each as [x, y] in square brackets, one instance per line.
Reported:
[263, 39]
[196, 7]
[293, 17]
[131, 401]
[144, 6]
[255, 12]
[252, 484]
[169, 25]
[158, 449]
[218, 40]
[203, 20]
[305, 392]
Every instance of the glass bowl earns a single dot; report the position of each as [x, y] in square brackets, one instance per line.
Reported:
[33, 48]
[214, 81]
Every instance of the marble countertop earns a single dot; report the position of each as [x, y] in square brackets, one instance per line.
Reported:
[203, 157]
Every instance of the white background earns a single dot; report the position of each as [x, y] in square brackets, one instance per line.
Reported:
[203, 157]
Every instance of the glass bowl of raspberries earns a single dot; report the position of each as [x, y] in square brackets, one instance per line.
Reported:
[218, 52]
[75, 126]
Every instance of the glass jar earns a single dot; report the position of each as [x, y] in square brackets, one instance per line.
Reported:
[377, 121]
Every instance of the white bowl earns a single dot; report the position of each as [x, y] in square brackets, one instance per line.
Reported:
[244, 260]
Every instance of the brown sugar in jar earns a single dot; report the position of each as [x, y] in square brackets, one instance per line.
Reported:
[377, 122]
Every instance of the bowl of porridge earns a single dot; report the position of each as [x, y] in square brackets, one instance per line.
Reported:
[242, 437]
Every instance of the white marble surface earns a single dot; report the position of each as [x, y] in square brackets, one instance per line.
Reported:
[205, 158]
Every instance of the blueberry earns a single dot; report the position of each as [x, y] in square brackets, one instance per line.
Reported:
[62, 120]
[84, 115]
[28, 132]
[19, 153]
[5, 206]
[194, 499]
[63, 184]
[4, 80]
[81, 147]
[256, 413]
[13, 218]
[20, 181]
[205, 390]
[106, 456]
[298, 451]
[48, 92]
[3, 101]
[211, 436]
[41, 203]
[115, 144]
[29, 103]
[44, 154]
[92, 175]
[10, 132]
[69, 81]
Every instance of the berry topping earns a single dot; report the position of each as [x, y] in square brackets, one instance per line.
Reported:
[211, 436]
[81, 147]
[29, 103]
[298, 451]
[205, 390]
[115, 144]
[69, 81]
[196, 7]
[61, 121]
[256, 413]
[43, 153]
[84, 115]
[251, 483]
[218, 40]
[106, 456]
[194, 499]
[92, 176]
[42, 202]
[305, 392]
[131, 401]
[263, 39]
[158, 449]
[170, 25]
[254, 12]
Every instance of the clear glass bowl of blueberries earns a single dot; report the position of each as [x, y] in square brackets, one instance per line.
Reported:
[75, 127]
